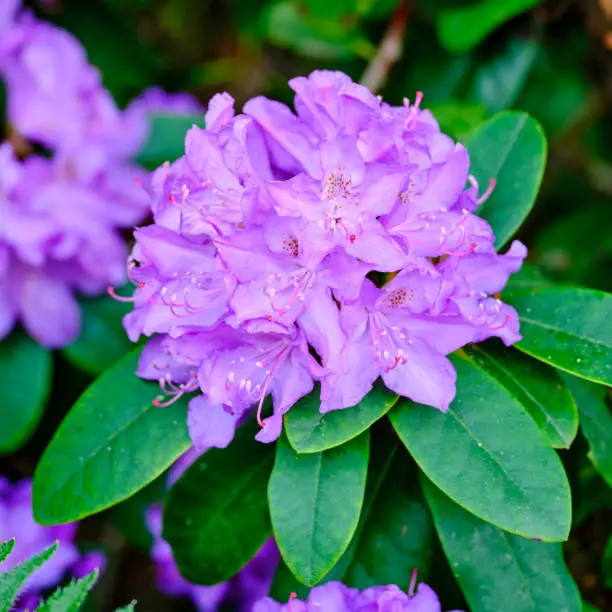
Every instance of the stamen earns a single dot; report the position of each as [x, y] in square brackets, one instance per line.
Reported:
[120, 298]
[485, 196]
[506, 320]
[413, 581]
[292, 597]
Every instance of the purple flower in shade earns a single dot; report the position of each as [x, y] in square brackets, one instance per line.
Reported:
[156, 100]
[243, 590]
[336, 244]
[17, 521]
[335, 597]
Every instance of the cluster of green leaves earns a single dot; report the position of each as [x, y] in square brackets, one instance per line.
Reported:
[342, 500]
[65, 599]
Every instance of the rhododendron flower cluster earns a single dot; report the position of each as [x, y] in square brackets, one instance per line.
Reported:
[336, 244]
[335, 597]
[61, 215]
[17, 522]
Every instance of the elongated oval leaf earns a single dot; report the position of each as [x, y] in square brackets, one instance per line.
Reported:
[102, 341]
[25, 380]
[536, 386]
[397, 535]
[461, 28]
[595, 421]
[112, 443]
[568, 328]
[315, 503]
[216, 515]
[309, 431]
[510, 148]
[167, 138]
[498, 571]
[489, 456]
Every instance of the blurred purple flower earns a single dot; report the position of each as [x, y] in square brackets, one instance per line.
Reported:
[17, 521]
[335, 244]
[335, 597]
[156, 100]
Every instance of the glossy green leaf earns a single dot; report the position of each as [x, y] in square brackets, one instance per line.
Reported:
[536, 386]
[499, 81]
[498, 571]
[510, 148]
[315, 503]
[398, 534]
[529, 277]
[463, 27]
[25, 379]
[102, 341]
[166, 140]
[595, 421]
[12, 582]
[568, 328]
[71, 597]
[216, 515]
[489, 456]
[309, 431]
[112, 443]
[459, 119]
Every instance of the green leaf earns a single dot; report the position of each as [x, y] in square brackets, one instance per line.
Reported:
[309, 431]
[510, 148]
[499, 82]
[458, 119]
[103, 340]
[71, 597]
[25, 379]
[536, 386]
[167, 138]
[129, 608]
[315, 503]
[286, 25]
[397, 536]
[568, 328]
[11, 582]
[606, 564]
[461, 28]
[595, 421]
[498, 571]
[489, 456]
[216, 515]
[529, 277]
[6, 548]
[112, 443]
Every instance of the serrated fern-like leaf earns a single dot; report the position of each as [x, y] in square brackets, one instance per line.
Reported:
[129, 608]
[11, 582]
[6, 548]
[70, 598]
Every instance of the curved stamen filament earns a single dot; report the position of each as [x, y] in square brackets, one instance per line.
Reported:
[292, 596]
[413, 581]
[502, 325]
[485, 196]
[121, 298]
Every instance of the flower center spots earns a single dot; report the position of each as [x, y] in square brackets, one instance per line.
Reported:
[291, 246]
[399, 297]
[337, 186]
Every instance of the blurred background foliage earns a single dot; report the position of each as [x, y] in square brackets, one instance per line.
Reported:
[470, 58]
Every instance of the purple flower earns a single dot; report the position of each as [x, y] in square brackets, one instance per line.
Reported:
[156, 100]
[336, 244]
[17, 521]
[335, 597]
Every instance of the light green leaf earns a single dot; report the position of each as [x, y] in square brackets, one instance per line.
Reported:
[102, 341]
[71, 597]
[129, 608]
[216, 515]
[11, 582]
[315, 503]
[397, 536]
[606, 565]
[25, 380]
[6, 548]
[309, 431]
[166, 140]
[461, 28]
[112, 443]
[499, 81]
[595, 421]
[510, 148]
[498, 571]
[489, 456]
[536, 386]
[568, 328]
[459, 119]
